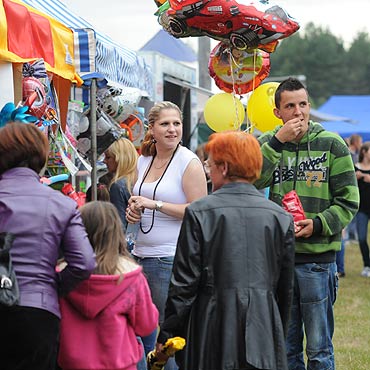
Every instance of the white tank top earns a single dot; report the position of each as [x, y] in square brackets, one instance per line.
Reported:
[162, 239]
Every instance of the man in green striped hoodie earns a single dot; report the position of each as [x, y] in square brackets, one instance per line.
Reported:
[301, 155]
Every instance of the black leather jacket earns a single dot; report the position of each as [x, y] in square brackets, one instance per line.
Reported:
[232, 282]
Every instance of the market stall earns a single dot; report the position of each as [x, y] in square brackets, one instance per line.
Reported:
[40, 37]
[103, 64]
[96, 52]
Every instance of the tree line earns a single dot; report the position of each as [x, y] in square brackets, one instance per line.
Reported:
[329, 67]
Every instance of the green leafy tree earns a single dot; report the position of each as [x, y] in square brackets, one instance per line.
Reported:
[329, 68]
[357, 75]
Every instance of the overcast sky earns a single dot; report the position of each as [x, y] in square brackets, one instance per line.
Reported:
[132, 22]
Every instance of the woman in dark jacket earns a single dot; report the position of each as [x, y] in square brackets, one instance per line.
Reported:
[43, 222]
[232, 279]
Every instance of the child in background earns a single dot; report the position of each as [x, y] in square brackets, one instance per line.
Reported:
[103, 316]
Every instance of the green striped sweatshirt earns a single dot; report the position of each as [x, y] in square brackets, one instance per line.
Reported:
[321, 170]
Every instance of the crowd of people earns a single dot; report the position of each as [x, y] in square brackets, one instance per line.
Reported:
[245, 282]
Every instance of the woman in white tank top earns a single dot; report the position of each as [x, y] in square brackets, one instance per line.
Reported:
[170, 177]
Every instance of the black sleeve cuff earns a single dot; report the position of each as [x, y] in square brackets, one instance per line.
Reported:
[276, 144]
[317, 226]
[162, 337]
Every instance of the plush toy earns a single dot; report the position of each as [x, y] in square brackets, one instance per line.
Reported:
[169, 349]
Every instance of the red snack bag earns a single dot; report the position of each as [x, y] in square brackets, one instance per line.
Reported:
[292, 204]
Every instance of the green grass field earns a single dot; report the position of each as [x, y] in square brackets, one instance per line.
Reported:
[352, 315]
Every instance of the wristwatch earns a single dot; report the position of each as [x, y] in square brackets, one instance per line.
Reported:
[158, 205]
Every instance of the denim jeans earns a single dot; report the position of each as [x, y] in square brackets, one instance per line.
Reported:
[352, 229]
[362, 220]
[158, 272]
[141, 365]
[315, 290]
[339, 256]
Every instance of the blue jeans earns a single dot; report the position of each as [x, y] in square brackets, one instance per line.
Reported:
[362, 220]
[315, 291]
[141, 365]
[340, 257]
[158, 272]
[352, 232]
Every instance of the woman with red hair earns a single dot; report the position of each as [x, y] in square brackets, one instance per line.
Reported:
[232, 276]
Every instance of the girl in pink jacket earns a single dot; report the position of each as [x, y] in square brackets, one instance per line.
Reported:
[103, 315]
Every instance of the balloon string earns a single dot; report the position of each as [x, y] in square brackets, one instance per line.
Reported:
[250, 124]
[254, 69]
[237, 124]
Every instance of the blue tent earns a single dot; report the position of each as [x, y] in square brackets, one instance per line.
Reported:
[355, 107]
[168, 45]
[96, 52]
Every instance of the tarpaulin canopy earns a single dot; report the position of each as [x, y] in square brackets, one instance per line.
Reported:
[357, 107]
[27, 34]
[96, 52]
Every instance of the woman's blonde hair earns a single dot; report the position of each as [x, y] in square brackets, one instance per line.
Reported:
[104, 229]
[147, 146]
[125, 154]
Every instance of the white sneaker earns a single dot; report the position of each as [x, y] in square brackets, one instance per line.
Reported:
[366, 272]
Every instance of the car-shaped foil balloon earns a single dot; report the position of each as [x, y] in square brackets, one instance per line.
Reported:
[243, 24]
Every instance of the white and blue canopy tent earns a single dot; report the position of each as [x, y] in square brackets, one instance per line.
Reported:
[97, 52]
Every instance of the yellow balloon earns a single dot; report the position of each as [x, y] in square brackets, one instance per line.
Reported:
[224, 112]
[260, 107]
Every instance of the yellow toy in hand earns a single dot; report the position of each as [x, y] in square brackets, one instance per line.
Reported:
[156, 361]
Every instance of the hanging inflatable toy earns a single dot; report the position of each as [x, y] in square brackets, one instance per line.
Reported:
[238, 71]
[134, 127]
[118, 103]
[11, 113]
[242, 24]
[159, 2]
[34, 96]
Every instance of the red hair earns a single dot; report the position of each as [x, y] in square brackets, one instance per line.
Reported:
[241, 151]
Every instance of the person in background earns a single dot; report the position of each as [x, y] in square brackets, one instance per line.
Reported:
[170, 177]
[102, 193]
[232, 281]
[43, 222]
[103, 316]
[339, 256]
[349, 233]
[355, 143]
[121, 161]
[362, 168]
[302, 156]
[202, 155]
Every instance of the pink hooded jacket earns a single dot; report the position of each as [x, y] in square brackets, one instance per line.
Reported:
[101, 319]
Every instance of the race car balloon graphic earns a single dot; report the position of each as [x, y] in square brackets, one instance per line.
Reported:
[242, 24]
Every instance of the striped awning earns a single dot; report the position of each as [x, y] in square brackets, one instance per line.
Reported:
[27, 34]
[96, 52]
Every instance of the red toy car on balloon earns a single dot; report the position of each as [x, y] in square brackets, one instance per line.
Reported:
[240, 23]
